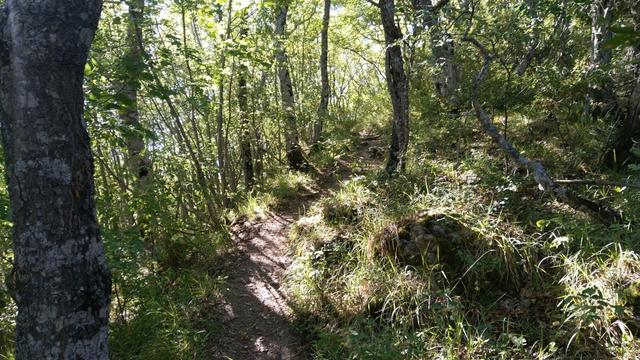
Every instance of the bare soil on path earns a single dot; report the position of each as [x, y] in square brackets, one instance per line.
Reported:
[256, 316]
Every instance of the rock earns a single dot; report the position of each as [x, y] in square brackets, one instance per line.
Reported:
[455, 238]
[438, 230]
[424, 241]
[429, 240]
[470, 177]
[417, 231]
[260, 345]
[227, 313]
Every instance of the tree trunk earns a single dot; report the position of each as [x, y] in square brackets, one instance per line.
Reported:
[601, 98]
[398, 87]
[220, 139]
[447, 75]
[324, 74]
[62, 284]
[628, 132]
[295, 156]
[532, 5]
[245, 125]
[540, 174]
[138, 162]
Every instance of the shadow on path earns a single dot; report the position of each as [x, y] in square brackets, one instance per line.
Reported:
[256, 318]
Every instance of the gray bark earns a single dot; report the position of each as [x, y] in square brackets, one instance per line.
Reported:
[295, 155]
[447, 75]
[628, 132]
[601, 98]
[220, 138]
[245, 125]
[521, 68]
[138, 161]
[325, 92]
[62, 284]
[540, 174]
[398, 87]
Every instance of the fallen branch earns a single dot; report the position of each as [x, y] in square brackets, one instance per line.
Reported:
[540, 174]
[598, 182]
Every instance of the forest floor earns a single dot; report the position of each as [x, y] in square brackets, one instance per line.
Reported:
[256, 314]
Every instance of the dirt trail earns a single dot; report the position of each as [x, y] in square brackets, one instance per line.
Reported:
[255, 315]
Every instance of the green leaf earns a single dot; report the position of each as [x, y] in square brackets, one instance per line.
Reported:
[541, 224]
[88, 69]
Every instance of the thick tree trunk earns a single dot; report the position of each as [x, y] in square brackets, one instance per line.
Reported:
[295, 156]
[325, 93]
[398, 87]
[62, 284]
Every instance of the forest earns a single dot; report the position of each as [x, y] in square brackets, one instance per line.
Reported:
[319, 179]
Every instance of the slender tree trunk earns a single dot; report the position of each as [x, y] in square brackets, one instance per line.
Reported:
[325, 93]
[230, 168]
[561, 34]
[628, 132]
[601, 98]
[398, 87]
[540, 174]
[138, 162]
[258, 128]
[62, 284]
[220, 139]
[184, 142]
[532, 5]
[245, 125]
[295, 156]
[447, 75]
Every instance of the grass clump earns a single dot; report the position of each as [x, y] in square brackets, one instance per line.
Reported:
[255, 206]
[349, 204]
[285, 188]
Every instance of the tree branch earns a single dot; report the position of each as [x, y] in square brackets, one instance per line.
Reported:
[373, 3]
[540, 174]
[439, 5]
[598, 182]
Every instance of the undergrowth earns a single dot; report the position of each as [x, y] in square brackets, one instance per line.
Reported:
[462, 258]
